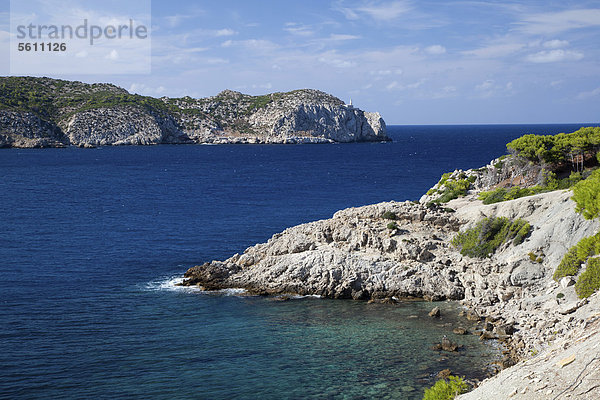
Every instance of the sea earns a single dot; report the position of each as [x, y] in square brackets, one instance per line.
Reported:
[92, 242]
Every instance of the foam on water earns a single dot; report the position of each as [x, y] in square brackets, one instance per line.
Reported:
[173, 283]
[169, 283]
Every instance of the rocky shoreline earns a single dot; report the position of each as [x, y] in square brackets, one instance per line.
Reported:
[396, 250]
[65, 113]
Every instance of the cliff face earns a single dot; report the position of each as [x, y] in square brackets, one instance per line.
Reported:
[25, 129]
[42, 112]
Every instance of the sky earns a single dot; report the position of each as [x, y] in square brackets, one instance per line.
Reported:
[416, 62]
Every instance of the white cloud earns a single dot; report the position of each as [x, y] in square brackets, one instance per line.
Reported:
[336, 62]
[386, 72]
[496, 50]
[486, 85]
[435, 49]
[252, 44]
[298, 29]
[386, 11]
[392, 85]
[446, 91]
[113, 55]
[225, 32]
[554, 22]
[173, 21]
[382, 12]
[548, 56]
[489, 88]
[342, 37]
[587, 95]
[143, 89]
[555, 44]
[395, 85]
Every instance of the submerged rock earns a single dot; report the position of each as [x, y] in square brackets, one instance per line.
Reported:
[435, 312]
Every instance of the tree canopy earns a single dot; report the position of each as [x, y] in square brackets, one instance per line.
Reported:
[554, 149]
[586, 195]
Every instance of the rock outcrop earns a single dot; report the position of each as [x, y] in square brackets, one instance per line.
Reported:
[353, 255]
[25, 129]
[360, 254]
[63, 113]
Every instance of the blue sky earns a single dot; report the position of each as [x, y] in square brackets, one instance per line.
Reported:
[416, 62]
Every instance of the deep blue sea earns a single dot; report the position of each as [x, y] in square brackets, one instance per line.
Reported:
[92, 239]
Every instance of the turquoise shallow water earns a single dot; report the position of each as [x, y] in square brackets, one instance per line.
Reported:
[317, 348]
[89, 239]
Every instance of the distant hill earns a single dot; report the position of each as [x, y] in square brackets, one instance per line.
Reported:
[44, 112]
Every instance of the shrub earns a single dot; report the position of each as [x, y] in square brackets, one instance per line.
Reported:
[489, 234]
[586, 195]
[577, 255]
[533, 257]
[569, 265]
[392, 226]
[493, 196]
[389, 215]
[446, 389]
[453, 189]
[516, 192]
[589, 280]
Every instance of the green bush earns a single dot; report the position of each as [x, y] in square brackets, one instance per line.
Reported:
[534, 258]
[392, 226]
[589, 280]
[577, 255]
[489, 234]
[569, 265]
[389, 215]
[450, 188]
[453, 189]
[586, 195]
[446, 389]
[493, 196]
[516, 192]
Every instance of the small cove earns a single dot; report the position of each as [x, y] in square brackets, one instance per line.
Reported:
[90, 235]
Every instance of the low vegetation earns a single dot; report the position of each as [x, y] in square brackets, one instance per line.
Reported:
[577, 255]
[589, 280]
[503, 194]
[550, 183]
[389, 215]
[489, 234]
[451, 187]
[446, 389]
[536, 258]
[586, 195]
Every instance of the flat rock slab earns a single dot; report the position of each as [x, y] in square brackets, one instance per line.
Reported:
[569, 369]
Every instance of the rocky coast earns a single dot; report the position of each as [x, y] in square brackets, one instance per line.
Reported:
[44, 112]
[396, 250]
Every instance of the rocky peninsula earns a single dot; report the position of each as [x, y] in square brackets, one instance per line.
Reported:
[44, 112]
[396, 250]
